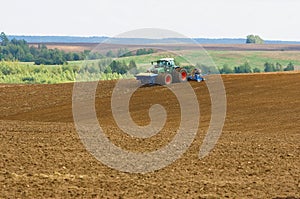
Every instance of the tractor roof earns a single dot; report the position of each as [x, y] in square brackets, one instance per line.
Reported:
[162, 60]
[166, 59]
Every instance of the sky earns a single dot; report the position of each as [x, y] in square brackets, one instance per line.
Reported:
[270, 19]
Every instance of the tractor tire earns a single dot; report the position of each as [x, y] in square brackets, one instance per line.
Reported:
[180, 75]
[164, 79]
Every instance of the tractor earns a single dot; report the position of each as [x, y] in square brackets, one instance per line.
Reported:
[163, 72]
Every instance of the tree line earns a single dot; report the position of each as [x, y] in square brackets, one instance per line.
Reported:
[246, 68]
[124, 52]
[104, 69]
[19, 50]
[254, 39]
[108, 66]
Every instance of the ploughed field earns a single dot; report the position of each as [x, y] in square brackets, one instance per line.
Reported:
[257, 155]
[79, 47]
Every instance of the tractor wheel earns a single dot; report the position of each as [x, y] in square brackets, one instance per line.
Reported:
[164, 79]
[180, 75]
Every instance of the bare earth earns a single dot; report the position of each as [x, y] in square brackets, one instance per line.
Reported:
[79, 47]
[257, 156]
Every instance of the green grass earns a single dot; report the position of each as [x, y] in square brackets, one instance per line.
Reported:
[20, 72]
[256, 59]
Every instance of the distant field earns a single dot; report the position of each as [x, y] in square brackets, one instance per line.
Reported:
[77, 47]
[230, 54]
[231, 58]
[255, 58]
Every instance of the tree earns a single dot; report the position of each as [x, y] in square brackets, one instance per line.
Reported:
[254, 39]
[76, 57]
[132, 68]
[278, 67]
[256, 70]
[20, 50]
[118, 67]
[124, 52]
[132, 64]
[4, 39]
[244, 68]
[226, 69]
[108, 70]
[269, 67]
[110, 54]
[290, 67]
[144, 51]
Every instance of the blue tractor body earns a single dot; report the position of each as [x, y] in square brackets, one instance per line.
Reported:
[196, 77]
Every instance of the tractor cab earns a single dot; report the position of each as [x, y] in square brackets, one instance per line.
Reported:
[163, 65]
[164, 62]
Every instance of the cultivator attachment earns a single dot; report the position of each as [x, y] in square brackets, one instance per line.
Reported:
[196, 77]
[147, 78]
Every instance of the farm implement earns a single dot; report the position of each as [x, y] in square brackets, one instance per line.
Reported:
[196, 76]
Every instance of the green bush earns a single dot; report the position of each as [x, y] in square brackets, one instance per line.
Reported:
[290, 67]
[226, 69]
[244, 68]
[16, 72]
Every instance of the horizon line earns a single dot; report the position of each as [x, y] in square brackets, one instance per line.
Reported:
[97, 36]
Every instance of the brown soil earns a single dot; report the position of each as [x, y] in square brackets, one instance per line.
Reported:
[79, 47]
[257, 156]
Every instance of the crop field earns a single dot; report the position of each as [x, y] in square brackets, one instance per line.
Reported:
[257, 155]
[78, 47]
[230, 54]
[254, 58]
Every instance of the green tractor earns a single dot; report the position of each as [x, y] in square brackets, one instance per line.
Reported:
[163, 72]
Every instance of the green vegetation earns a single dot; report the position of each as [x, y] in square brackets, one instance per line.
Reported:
[124, 52]
[226, 69]
[290, 67]
[254, 39]
[19, 50]
[144, 51]
[16, 72]
[246, 68]
[226, 61]
[256, 59]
